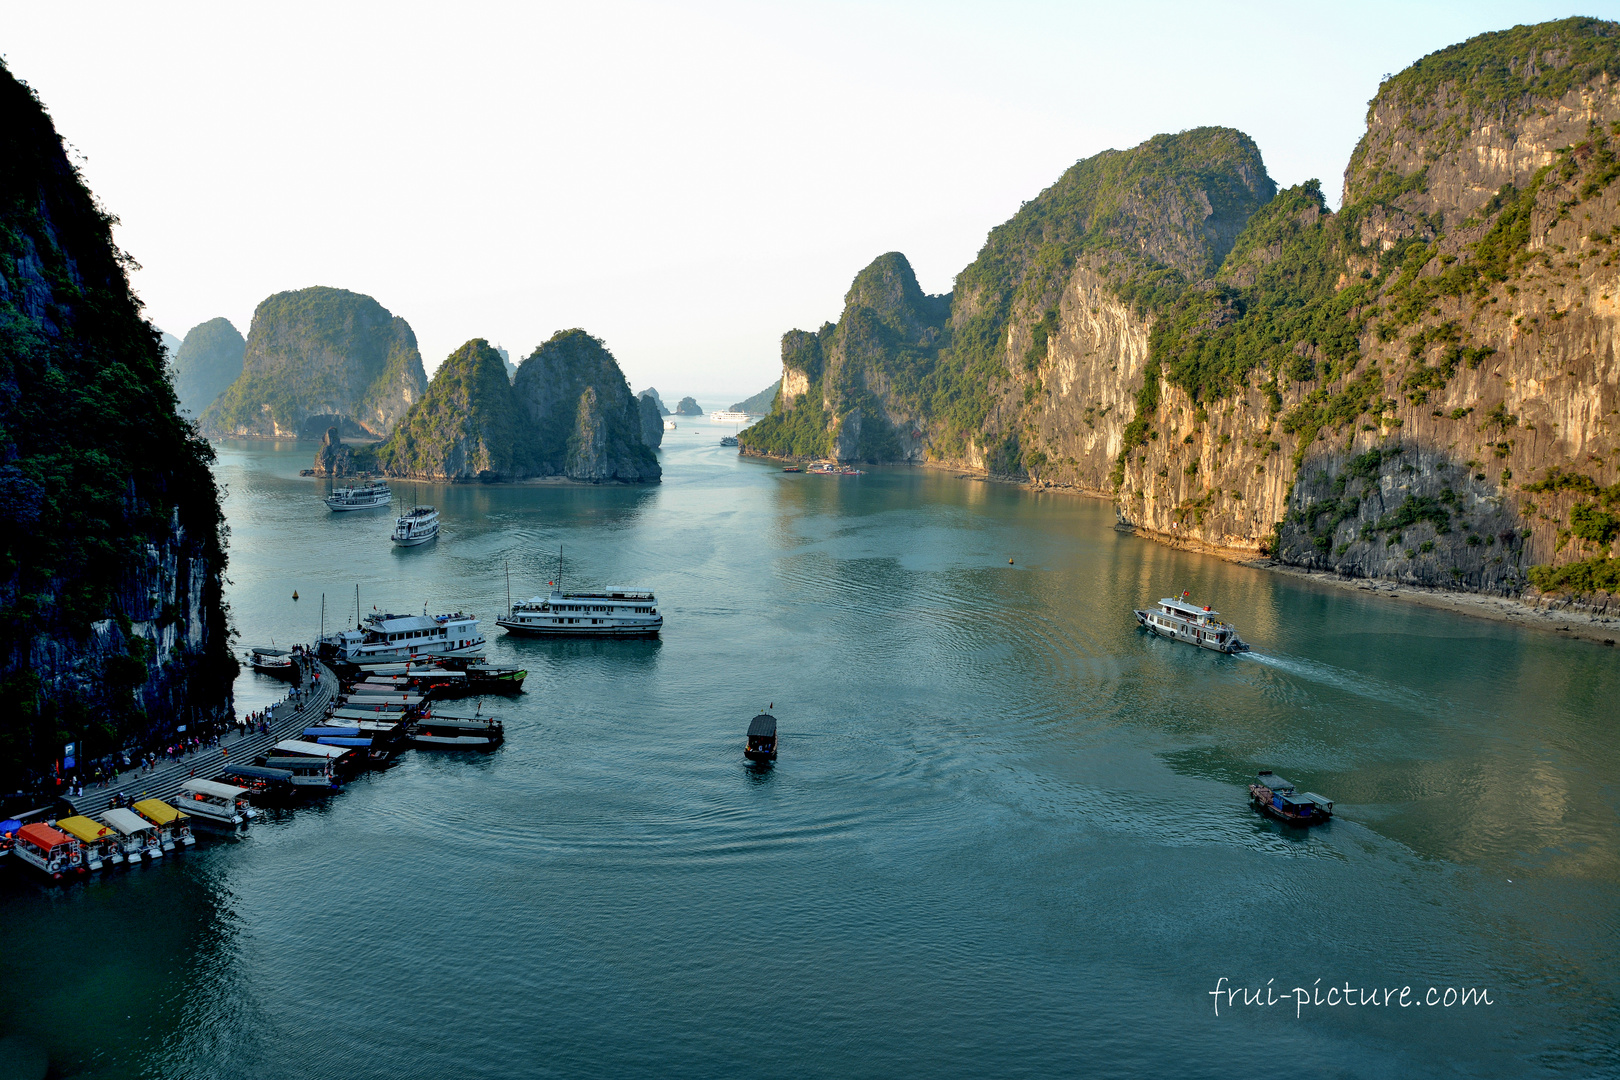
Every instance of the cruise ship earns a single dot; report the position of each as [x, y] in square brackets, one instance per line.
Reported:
[614, 612]
[417, 527]
[388, 638]
[364, 497]
[732, 416]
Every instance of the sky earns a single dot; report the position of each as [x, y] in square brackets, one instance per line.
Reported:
[685, 181]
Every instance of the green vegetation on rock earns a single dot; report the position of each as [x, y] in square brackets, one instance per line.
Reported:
[112, 622]
[468, 424]
[760, 402]
[207, 361]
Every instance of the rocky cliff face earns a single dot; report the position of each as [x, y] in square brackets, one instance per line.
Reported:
[206, 363]
[688, 407]
[316, 354]
[1420, 387]
[568, 413]
[468, 426]
[584, 422]
[114, 625]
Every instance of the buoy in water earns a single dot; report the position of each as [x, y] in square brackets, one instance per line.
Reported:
[295, 594]
[1009, 563]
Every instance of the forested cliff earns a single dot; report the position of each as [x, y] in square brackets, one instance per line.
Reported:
[1421, 386]
[568, 413]
[110, 599]
[316, 356]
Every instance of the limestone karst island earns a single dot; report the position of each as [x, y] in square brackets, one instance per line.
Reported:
[1161, 621]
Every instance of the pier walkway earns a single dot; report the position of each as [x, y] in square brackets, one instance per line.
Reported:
[208, 763]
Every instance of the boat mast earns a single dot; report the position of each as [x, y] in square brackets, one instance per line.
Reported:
[323, 614]
[508, 588]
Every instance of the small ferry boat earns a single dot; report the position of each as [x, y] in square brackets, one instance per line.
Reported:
[174, 826]
[267, 660]
[419, 525]
[141, 838]
[392, 639]
[792, 468]
[50, 851]
[457, 733]
[669, 425]
[760, 746]
[305, 774]
[728, 440]
[617, 611]
[100, 844]
[363, 497]
[1276, 798]
[1179, 620]
[478, 677]
[263, 784]
[216, 803]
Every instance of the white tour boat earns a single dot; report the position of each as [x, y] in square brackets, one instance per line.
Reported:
[732, 416]
[174, 826]
[1179, 620]
[211, 801]
[418, 526]
[142, 839]
[364, 497]
[617, 611]
[389, 638]
[100, 844]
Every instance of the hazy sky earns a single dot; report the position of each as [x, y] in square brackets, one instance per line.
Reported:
[685, 181]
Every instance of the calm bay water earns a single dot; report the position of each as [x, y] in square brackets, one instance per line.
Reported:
[1007, 835]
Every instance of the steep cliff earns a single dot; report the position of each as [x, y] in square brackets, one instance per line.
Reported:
[113, 623]
[652, 393]
[1421, 386]
[568, 413]
[207, 361]
[584, 422]
[316, 354]
[468, 425]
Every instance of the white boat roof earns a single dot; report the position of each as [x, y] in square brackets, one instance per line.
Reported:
[1182, 605]
[612, 592]
[312, 749]
[126, 821]
[214, 787]
[389, 623]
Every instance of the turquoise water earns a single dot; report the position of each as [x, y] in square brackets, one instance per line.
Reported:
[1007, 834]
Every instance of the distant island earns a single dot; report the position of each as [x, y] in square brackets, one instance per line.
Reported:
[760, 403]
[316, 357]
[568, 414]
[206, 363]
[688, 407]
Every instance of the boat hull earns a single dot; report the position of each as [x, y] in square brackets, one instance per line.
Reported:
[1266, 807]
[1237, 644]
[413, 541]
[337, 509]
[531, 630]
[454, 742]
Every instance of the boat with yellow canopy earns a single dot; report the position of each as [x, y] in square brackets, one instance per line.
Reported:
[101, 844]
[174, 826]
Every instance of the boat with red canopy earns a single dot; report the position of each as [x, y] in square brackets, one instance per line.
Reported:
[48, 850]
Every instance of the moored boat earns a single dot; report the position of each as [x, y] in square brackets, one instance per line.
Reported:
[1179, 620]
[387, 639]
[267, 660]
[264, 785]
[1277, 798]
[760, 746]
[303, 774]
[100, 844]
[50, 851]
[141, 838]
[360, 497]
[457, 733]
[174, 826]
[216, 803]
[418, 525]
[618, 611]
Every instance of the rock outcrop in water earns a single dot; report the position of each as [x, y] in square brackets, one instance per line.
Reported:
[688, 407]
[316, 354]
[567, 414]
[650, 392]
[1420, 387]
[207, 362]
[114, 625]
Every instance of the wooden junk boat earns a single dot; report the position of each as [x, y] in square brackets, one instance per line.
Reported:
[1276, 798]
[760, 746]
[456, 733]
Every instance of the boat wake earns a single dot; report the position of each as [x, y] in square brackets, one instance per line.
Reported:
[1352, 682]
